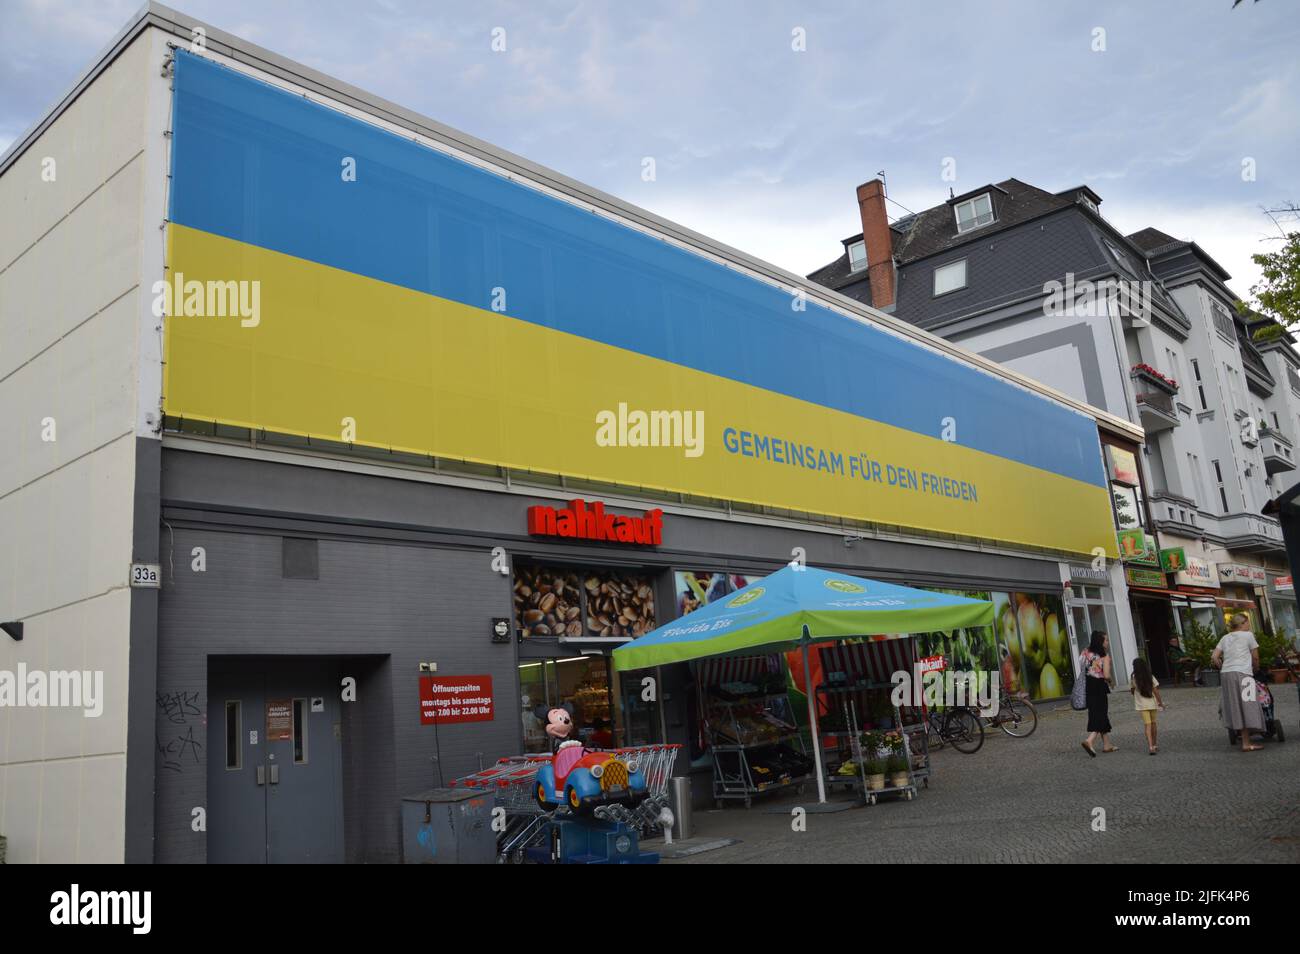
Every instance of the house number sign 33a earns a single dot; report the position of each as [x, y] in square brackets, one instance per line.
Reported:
[146, 574]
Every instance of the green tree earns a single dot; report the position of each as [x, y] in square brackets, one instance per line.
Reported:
[1278, 292]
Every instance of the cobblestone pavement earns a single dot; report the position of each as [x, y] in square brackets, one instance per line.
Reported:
[1032, 800]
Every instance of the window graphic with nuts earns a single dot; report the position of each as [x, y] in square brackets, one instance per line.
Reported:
[553, 602]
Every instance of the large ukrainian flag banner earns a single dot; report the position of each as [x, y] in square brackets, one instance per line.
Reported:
[449, 310]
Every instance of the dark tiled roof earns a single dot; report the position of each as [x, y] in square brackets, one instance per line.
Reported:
[1151, 239]
[1156, 244]
[837, 274]
[935, 230]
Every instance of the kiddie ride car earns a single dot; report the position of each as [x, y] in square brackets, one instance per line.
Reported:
[583, 780]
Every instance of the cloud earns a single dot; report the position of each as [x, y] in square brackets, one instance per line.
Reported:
[762, 146]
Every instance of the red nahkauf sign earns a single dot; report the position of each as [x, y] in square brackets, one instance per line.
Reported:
[445, 699]
[578, 521]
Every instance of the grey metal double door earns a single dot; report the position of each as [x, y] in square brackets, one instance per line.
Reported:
[274, 762]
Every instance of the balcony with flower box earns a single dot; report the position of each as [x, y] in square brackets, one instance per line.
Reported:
[1155, 398]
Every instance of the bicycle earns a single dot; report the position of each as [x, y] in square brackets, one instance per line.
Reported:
[958, 726]
[1016, 715]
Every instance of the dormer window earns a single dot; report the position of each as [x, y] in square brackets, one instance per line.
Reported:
[857, 256]
[974, 213]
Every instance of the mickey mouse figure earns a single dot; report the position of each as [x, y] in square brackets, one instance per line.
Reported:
[560, 725]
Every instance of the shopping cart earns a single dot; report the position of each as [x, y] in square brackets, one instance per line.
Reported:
[655, 762]
[511, 781]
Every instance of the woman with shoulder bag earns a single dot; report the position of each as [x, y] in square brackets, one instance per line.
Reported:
[1096, 667]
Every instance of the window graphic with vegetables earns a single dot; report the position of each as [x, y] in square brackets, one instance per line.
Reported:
[964, 650]
[695, 588]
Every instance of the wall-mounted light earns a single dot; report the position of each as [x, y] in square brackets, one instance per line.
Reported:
[14, 629]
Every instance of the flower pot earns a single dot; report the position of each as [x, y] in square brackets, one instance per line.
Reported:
[899, 780]
[876, 782]
[1279, 675]
[1210, 677]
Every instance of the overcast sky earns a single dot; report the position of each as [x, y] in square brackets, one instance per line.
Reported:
[760, 145]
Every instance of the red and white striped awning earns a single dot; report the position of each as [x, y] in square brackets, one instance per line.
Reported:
[724, 669]
[875, 660]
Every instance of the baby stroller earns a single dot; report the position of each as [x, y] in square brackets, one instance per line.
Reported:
[1272, 725]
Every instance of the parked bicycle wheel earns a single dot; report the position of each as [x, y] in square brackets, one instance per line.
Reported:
[1017, 718]
[964, 729]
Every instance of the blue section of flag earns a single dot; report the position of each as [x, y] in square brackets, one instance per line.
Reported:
[260, 165]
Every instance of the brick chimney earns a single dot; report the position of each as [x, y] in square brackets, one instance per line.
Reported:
[879, 246]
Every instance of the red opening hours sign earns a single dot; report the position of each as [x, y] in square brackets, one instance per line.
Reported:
[445, 699]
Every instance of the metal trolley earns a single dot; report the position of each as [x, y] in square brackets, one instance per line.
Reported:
[847, 740]
[735, 746]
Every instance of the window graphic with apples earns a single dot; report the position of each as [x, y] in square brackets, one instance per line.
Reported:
[1033, 644]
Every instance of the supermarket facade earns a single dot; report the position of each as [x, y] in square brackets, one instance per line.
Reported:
[417, 435]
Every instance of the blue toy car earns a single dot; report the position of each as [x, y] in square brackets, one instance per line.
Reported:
[582, 779]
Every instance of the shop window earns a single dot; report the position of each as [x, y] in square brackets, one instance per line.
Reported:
[533, 693]
[1128, 507]
[1094, 610]
[638, 717]
[582, 681]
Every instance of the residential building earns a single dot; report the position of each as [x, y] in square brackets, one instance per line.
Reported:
[1141, 326]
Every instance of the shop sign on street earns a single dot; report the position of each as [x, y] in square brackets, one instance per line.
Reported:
[930, 664]
[1136, 547]
[446, 699]
[578, 521]
[1132, 544]
[1123, 465]
[1088, 574]
[1173, 559]
[1198, 573]
[1241, 573]
[1283, 584]
[1139, 576]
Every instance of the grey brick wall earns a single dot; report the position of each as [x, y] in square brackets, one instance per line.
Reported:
[406, 603]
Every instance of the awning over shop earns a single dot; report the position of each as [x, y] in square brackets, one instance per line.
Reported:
[795, 605]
